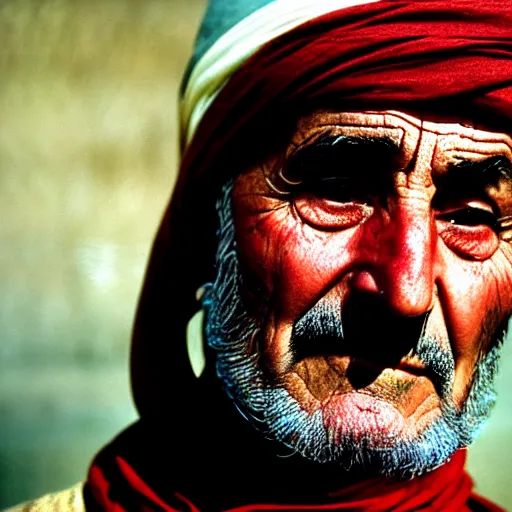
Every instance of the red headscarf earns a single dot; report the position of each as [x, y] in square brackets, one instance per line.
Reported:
[412, 55]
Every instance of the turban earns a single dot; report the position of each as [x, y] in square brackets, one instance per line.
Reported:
[426, 54]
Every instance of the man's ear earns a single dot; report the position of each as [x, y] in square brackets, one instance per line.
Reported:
[195, 347]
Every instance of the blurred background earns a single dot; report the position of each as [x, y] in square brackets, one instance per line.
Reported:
[88, 153]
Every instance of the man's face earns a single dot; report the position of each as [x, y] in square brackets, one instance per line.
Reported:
[373, 264]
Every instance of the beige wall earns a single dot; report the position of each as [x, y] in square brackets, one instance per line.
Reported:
[87, 160]
[88, 95]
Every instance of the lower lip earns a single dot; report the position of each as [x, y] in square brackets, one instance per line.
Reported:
[358, 416]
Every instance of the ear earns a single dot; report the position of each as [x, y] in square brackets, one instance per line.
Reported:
[195, 347]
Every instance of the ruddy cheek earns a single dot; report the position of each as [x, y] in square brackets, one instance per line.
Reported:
[473, 242]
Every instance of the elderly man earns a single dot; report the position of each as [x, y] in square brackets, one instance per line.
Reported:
[355, 284]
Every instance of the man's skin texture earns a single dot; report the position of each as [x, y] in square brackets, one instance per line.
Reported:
[394, 217]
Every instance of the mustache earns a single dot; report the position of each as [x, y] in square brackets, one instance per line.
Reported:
[374, 337]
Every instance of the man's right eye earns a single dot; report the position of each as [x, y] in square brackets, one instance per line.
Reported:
[341, 189]
[330, 211]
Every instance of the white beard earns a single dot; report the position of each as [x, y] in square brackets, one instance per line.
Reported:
[234, 336]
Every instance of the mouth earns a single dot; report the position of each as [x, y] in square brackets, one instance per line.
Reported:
[368, 334]
[399, 399]
[362, 372]
[359, 364]
[357, 361]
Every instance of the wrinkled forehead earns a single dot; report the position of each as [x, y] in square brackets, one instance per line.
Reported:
[453, 138]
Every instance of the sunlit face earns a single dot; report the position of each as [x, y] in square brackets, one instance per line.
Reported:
[375, 273]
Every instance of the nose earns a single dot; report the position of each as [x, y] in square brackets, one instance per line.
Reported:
[398, 252]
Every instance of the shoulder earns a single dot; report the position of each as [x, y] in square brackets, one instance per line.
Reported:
[69, 500]
[478, 503]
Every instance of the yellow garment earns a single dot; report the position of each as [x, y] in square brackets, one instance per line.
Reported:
[69, 500]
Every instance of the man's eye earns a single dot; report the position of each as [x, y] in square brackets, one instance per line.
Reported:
[471, 231]
[471, 216]
[339, 189]
[331, 203]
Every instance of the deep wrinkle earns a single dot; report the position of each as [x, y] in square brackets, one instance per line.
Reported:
[423, 442]
[313, 165]
[303, 230]
[414, 258]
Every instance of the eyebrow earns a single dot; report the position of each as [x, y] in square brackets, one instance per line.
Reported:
[483, 173]
[372, 153]
[377, 156]
[344, 142]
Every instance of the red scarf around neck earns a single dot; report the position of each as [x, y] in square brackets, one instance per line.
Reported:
[446, 489]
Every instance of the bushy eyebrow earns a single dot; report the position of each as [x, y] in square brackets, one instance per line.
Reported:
[482, 173]
[368, 152]
[382, 144]
[330, 139]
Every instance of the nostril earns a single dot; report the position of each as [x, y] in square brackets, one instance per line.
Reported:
[364, 281]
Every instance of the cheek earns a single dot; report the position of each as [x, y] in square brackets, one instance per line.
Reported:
[476, 298]
[293, 263]
[473, 242]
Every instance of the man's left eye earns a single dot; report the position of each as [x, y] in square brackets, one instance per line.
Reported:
[471, 231]
[471, 216]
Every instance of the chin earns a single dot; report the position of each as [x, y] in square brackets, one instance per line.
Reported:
[400, 426]
[357, 431]
[364, 433]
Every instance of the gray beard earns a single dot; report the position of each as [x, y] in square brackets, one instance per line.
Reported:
[235, 337]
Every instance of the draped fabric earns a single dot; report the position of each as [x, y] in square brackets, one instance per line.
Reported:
[391, 53]
[116, 487]
[435, 56]
[231, 43]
